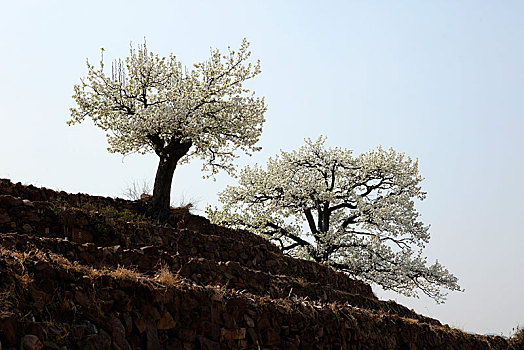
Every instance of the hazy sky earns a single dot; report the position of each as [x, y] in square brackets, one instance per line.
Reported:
[442, 81]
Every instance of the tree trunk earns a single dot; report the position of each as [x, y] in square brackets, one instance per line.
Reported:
[160, 203]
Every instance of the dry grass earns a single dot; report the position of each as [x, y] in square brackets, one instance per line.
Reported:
[165, 276]
[25, 279]
[6, 301]
[18, 277]
[57, 332]
[124, 273]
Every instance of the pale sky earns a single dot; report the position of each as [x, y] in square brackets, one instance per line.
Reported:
[442, 81]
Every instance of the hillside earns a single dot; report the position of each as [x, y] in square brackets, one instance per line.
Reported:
[86, 272]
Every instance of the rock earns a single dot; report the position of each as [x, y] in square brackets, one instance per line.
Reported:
[249, 321]
[102, 340]
[232, 334]
[262, 322]
[106, 305]
[8, 329]
[41, 266]
[144, 197]
[211, 330]
[166, 322]
[81, 235]
[10, 201]
[82, 221]
[206, 344]
[78, 331]
[127, 322]
[30, 216]
[48, 345]
[82, 299]
[152, 342]
[149, 250]
[28, 203]
[118, 334]
[158, 240]
[150, 312]
[252, 335]
[270, 337]
[187, 335]
[4, 218]
[91, 328]
[140, 324]
[31, 342]
[146, 262]
[229, 321]
[135, 341]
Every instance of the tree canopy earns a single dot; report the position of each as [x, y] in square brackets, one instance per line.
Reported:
[153, 104]
[354, 213]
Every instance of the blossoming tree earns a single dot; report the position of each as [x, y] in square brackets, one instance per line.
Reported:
[153, 104]
[359, 212]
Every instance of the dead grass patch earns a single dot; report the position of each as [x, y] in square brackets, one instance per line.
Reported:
[125, 273]
[165, 276]
[6, 301]
[25, 278]
[56, 332]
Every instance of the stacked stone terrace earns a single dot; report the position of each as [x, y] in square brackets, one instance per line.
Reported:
[79, 271]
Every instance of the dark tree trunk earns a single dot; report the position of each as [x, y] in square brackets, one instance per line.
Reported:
[160, 203]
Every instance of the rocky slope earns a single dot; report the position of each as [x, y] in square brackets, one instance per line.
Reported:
[79, 271]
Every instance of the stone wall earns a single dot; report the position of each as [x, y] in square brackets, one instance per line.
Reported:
[85, 272]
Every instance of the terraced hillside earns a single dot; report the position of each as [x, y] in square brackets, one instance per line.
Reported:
[79, 271]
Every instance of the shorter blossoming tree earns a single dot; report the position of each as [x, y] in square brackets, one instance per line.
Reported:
[153, 104]
[359, 212]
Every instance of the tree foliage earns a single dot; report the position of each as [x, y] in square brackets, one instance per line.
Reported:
[358, 210]
[153, 104]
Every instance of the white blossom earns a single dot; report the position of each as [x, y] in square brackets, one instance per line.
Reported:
[149, 102]
[358, 210]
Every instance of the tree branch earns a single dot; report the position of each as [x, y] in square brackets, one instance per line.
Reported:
[157, 143]
[311, 221]
[286, 233]
[342, 205]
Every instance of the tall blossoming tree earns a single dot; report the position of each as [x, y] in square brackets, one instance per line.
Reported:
[153, 104]
[357, 213]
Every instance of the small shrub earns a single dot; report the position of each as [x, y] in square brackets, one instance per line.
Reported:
[187, 203]
[137, 189]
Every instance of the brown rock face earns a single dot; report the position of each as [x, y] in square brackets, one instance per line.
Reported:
[166, 322]
[4, 218]
[271, 337]
[86, 272]
[81, 235]
[232, 334]
[9, 331]
[31, 342]
[152, 336]
[118, 334]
